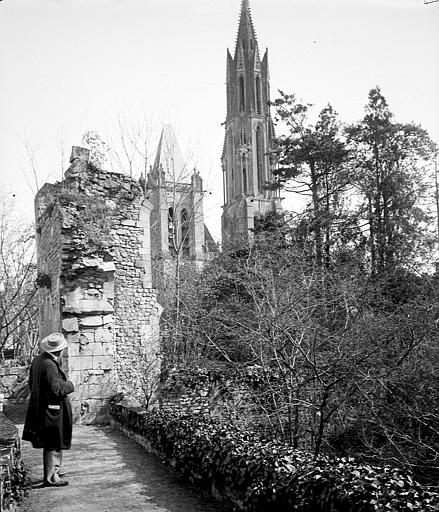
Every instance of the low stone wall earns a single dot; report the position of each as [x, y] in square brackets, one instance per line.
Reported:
[13, 381]
[12, 474]
[213, 391]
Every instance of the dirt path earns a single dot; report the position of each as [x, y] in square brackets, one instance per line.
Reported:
[110, 473]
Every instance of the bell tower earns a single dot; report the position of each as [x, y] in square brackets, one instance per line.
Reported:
[249, 133]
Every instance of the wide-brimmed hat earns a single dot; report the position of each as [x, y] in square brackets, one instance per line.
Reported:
[53, 343]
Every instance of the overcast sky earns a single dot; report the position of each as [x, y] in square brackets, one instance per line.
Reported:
[68, 66]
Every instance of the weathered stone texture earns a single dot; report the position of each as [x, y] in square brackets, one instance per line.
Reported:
[12, 474]
[94, 243]
[49, 243]
[13, 381]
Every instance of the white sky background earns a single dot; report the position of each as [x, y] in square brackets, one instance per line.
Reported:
[68, 66]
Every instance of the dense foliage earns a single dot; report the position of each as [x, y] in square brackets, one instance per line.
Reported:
[390, 173]
[334, 310]
[258, 475]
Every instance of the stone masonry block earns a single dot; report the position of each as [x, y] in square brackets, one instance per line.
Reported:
[108, 266]
[77, 376]
[109, 349]
[93, 349]
[82, 390]
[78, 346]
[109, 289]
[103, 363]
[80, 362]
[72, 337]
[107, 319]
[74, 349]
[96, 391]
[128, 222]
[91, 321]
[109, 183]
[99, 349]
[79, 153]
[99, 391]
[104, 377]
[87, 337]
[71, 298]
[103, 335]
[70, 324]
[89, 306]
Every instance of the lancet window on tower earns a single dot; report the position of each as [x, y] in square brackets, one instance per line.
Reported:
[260, 157]
[185, 237]
[242, 135]
[258, 94]
[244, 175]
[244, 180]
[171, 230]
[241, 93]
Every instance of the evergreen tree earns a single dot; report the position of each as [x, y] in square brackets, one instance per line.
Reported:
[310, 160]
[390, 159]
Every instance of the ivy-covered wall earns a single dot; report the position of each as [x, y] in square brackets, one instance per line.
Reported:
[12, 474]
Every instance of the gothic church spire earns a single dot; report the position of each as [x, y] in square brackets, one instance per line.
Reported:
[246, 38]
[249, 132]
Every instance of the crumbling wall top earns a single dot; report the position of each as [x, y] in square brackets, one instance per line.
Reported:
[78, 153]
[79, 162]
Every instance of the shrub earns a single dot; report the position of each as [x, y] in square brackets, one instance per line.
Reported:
[260, 476]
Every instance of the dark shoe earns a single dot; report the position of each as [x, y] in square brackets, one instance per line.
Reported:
[60, 483]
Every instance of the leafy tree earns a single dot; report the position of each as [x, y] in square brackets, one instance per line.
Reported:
[311, 161]
[388, 170]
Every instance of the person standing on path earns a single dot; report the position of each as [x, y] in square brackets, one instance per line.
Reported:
[48, 422]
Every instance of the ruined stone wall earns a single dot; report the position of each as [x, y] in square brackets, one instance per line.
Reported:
[14, 381]
[12, 474]
[49, 245]
[93, 242]
[138, 312]
[211, 391]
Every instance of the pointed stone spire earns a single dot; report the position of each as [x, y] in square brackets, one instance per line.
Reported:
[169, 158]
[246, 38]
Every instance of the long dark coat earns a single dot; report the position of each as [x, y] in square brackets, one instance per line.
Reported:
[48, 421]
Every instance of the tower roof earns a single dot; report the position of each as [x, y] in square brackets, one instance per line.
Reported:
[246, 37]
[169, 156]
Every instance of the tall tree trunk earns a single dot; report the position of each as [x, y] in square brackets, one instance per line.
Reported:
[317, 215]
[372, 238]
[327, 228]
[378, 215]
